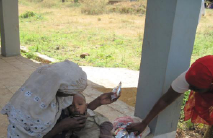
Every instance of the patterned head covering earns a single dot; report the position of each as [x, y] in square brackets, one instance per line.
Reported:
[34, 108]
[200, 74]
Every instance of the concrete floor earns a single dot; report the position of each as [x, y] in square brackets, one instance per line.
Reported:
[15, 70]
[13, 73]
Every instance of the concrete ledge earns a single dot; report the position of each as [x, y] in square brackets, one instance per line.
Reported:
[41, 58]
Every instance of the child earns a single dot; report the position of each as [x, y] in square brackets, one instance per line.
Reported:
[97, 126]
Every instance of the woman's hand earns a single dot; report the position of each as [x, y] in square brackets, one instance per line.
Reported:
[137, 128]
[75, 123]
[106, 98]
[68, 123]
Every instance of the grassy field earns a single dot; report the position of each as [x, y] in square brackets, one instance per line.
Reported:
[113, 38]
[63, 32]
[112, 35]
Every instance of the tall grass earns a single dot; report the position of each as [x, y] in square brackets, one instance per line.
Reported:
[128, 7]
[93, 7]
[50, 3]
[42, 3]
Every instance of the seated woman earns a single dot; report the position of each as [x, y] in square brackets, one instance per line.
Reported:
[35, 108]
[97, 126]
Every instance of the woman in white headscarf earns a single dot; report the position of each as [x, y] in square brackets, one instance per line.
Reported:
[35, 108]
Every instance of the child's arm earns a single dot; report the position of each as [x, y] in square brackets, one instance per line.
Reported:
[103, 99]
[105, 130]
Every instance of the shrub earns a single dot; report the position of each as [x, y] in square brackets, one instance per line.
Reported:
[49, 3]
[34, 0]
[128, 8]
[31, 14]
[93, 7]
[44, 3]
[27, 14]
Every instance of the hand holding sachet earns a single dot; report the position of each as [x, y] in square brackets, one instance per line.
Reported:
[116, 91]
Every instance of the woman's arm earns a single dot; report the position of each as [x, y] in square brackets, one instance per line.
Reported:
[66, 124]
[56, 129]
[169, 97]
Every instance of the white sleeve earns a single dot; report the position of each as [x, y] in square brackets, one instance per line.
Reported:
[180, 84]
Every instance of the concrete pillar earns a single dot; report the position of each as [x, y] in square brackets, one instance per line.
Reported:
[169, 36]
[9, 25]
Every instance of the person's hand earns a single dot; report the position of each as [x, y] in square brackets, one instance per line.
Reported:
[103, 99]
[106, 98]
[137, 128]
[75, 123]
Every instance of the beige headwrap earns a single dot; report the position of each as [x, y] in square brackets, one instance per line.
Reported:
[34, 108]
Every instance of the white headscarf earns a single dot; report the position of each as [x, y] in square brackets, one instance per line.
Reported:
[34, 108]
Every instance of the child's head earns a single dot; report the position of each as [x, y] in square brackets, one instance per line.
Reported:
[79, 105]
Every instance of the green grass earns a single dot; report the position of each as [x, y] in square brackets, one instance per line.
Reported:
[204, 37]
[105, 49]
[203, 43]
[31, 16]
[30, 55]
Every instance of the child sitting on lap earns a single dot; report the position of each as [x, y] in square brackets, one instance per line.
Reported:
[97, 126]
